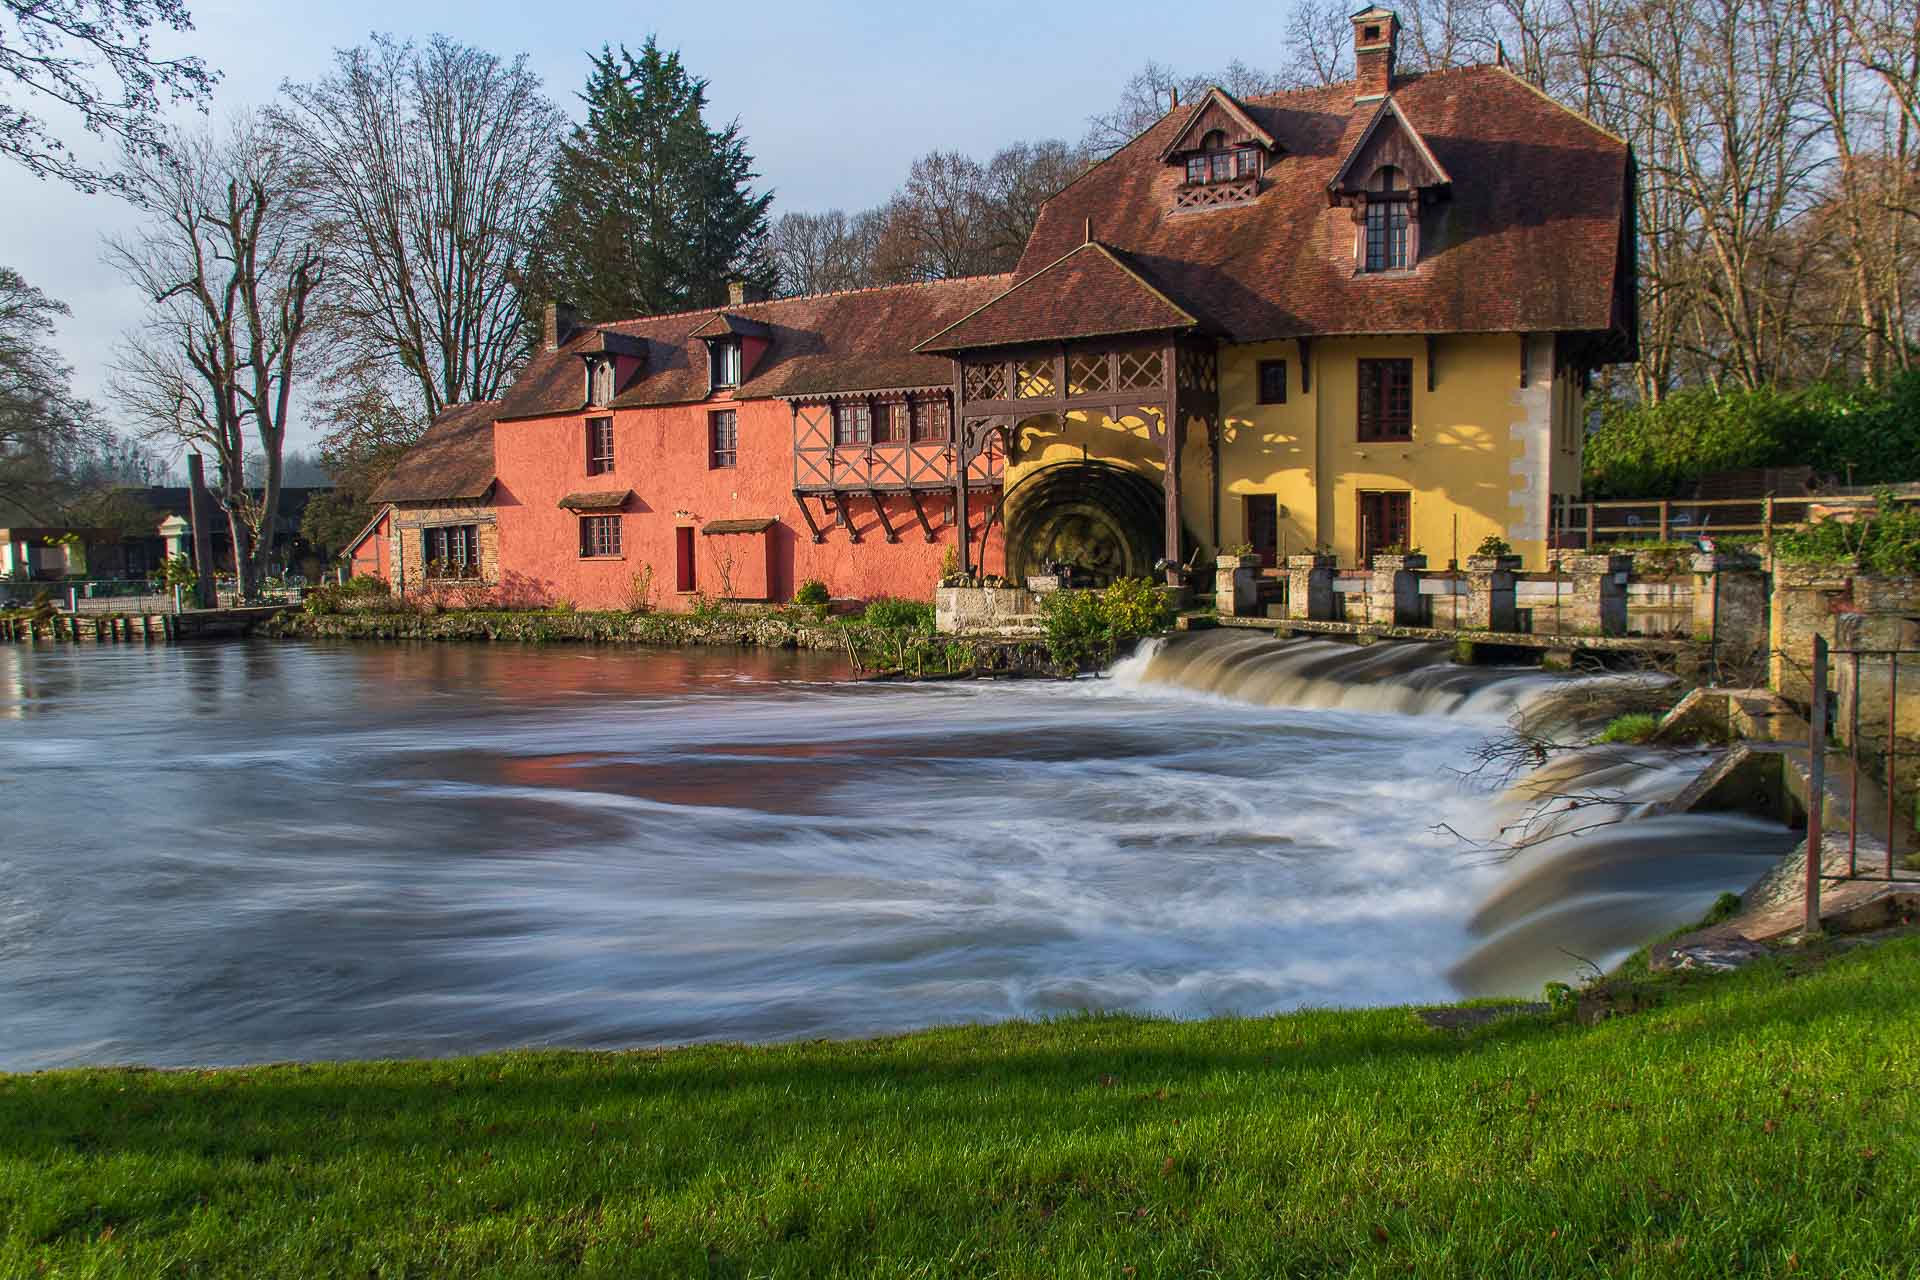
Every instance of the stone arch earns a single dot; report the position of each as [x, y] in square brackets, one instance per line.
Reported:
[1108, 521]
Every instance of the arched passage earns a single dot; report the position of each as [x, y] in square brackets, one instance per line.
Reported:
[1106, 521]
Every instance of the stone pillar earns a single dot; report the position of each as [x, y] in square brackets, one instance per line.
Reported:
[1803, 603]
[1730, 604]
[1393, 598]
[1491, 592]
[1236, 586]
[1597, 604]
[1310, 588]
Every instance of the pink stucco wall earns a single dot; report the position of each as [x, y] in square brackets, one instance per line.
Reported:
[370, 557]
[662, 455]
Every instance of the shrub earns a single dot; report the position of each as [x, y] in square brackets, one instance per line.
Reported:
[894, 614]
[640, 590]
[812, 594]
[1087, 628]
[1885, 541]
[1493, 545]
[1655, 450]
[1632, 729]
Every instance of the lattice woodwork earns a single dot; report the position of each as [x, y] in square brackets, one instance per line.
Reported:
[1216, 195]
[1033, 379]
[1139, 369]
[986, 381]
[1089, 375]
[1199, 371]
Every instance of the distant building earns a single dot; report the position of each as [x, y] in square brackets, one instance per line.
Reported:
[38, 554]
[1357, 317]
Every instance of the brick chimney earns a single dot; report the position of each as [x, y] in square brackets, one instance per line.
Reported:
[740, 293]
[1376, 38]
[561, 323]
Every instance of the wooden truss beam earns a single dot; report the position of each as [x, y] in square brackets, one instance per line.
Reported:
[920, 510]
[844, 513]
[880, 510]
[819, 534]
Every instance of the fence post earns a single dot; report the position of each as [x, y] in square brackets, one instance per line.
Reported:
[1666, 517]
[1816, 784]
[1590, 522]
[1766, 529]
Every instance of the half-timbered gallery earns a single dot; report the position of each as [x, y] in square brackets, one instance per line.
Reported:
[1351, 318]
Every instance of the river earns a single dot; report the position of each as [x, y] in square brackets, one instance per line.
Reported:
[219, 854]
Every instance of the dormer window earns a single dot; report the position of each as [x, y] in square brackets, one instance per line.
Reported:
[723, 359]
[1389, 206]
[600, 383]
[1216, 162]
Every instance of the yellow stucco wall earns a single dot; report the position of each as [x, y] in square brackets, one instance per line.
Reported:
[1483, 448]
[1486, 452]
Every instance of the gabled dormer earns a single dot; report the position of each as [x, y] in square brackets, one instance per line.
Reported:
[735, 346]
[613, 363]
[1221, 152]
[1386, 179]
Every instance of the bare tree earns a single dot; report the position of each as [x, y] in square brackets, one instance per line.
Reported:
[96, 58]
[425, 170]
[229, 267]
[1019, 179]
[1319, 42]
[825, 252]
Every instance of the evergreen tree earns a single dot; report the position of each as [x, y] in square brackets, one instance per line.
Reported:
[651, 210]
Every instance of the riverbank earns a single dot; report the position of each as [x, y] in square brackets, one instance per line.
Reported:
[1758, 1121]
[868, 648]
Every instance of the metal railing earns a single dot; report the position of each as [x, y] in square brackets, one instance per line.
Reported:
[1860, 665]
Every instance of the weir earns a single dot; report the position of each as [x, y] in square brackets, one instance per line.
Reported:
[1592, 862]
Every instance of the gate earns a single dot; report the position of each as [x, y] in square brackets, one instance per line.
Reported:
[1860, 686]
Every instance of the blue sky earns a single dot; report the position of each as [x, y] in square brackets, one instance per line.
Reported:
[835, 99]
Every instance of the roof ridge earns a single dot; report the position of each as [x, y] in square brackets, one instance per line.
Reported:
[724, 308]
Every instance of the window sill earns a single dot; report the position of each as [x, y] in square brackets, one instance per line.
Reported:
[620, 557]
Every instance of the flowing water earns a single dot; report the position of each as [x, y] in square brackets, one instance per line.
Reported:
[237, 853]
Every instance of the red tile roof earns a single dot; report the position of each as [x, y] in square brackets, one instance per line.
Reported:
[1091, 292]
[452, 459]
[860, 340]
[1530, 239]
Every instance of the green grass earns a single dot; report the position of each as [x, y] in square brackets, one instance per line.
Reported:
[1761, 1123]
[1635, 727]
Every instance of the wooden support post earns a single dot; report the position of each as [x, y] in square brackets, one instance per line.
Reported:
[1817, 784]
[1766, 530]
[1590, 523]
[1666, 517]
[1171, 441]
[958, 425]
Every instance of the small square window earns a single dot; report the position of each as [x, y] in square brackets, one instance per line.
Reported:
[452, 551]
[1273, 382]
[930, 422]
[1196, 168]
[723, 430]
[599, 536]
[852, 424]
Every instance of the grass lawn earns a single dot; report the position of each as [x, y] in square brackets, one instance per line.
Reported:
[1766, 1122]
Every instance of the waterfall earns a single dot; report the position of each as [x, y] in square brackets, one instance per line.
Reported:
[1593, 866]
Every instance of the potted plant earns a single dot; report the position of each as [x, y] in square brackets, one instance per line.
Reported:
[1493, 555]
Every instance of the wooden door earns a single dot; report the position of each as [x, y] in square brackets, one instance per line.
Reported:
[1386, 520]
[1263, 528]
[683, 559]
